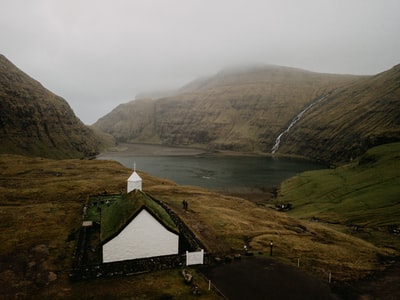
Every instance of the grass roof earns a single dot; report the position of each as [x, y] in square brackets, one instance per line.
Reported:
[97, 203]
[116, 215]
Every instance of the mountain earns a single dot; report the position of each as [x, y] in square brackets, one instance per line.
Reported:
[237, 109]
[36, 122]
[353, 119]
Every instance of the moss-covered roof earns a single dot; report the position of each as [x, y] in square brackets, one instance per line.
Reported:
[97, 202]
[117, 214]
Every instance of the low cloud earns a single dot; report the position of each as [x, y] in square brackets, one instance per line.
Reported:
[98, 54]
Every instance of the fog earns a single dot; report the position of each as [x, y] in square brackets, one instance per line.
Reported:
[97, 54]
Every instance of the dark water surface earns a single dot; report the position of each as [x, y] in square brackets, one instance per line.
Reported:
[218, 173]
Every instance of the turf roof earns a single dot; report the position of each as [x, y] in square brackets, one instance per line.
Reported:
[116, 215]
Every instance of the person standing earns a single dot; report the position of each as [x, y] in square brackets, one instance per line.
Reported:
[185, 204]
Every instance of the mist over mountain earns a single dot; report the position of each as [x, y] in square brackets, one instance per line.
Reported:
[237, 109]
[36, 122]
[240, 109]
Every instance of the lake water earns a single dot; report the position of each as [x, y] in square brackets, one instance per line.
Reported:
[219, 173]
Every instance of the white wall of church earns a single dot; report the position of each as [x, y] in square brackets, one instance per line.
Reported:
[143, 237]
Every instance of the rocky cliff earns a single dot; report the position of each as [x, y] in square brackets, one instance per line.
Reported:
[36, 122]
[238, 109]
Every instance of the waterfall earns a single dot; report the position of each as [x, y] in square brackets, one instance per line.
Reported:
[294, 121]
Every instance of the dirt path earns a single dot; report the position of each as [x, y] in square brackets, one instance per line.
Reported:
[263, 278]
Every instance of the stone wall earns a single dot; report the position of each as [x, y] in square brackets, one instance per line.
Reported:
[84, 268]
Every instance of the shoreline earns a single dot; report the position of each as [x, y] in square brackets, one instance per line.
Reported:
[143, 149]
[258, 195]
[125, 149]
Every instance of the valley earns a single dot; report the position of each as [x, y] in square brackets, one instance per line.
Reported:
[53, 198]
[340, 225]
[240, 110]
[331, 118]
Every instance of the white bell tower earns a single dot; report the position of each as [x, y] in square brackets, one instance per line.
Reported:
[134, 181]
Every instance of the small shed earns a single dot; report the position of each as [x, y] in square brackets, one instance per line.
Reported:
[134, 182]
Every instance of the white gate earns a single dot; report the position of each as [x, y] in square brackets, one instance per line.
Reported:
[195, 258]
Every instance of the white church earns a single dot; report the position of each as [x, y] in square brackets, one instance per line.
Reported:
[133, 225]
[143, 230]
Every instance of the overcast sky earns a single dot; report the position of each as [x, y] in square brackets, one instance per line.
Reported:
[97, 54]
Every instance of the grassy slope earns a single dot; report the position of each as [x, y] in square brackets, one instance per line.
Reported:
[41, 204]
[239, 110]
[353, 119]
[36, 122]
[364, 193]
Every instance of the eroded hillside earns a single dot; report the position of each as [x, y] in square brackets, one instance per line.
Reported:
[350, 121]
[36, 122]
[242, 110]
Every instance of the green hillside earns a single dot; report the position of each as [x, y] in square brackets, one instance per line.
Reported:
[364, 195]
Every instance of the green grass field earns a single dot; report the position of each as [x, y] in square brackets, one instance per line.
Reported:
[364, 194]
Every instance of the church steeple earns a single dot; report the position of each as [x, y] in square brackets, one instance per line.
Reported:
[134, 181]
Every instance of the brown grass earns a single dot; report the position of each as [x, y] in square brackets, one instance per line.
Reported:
[226, 223]
[41, 202]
